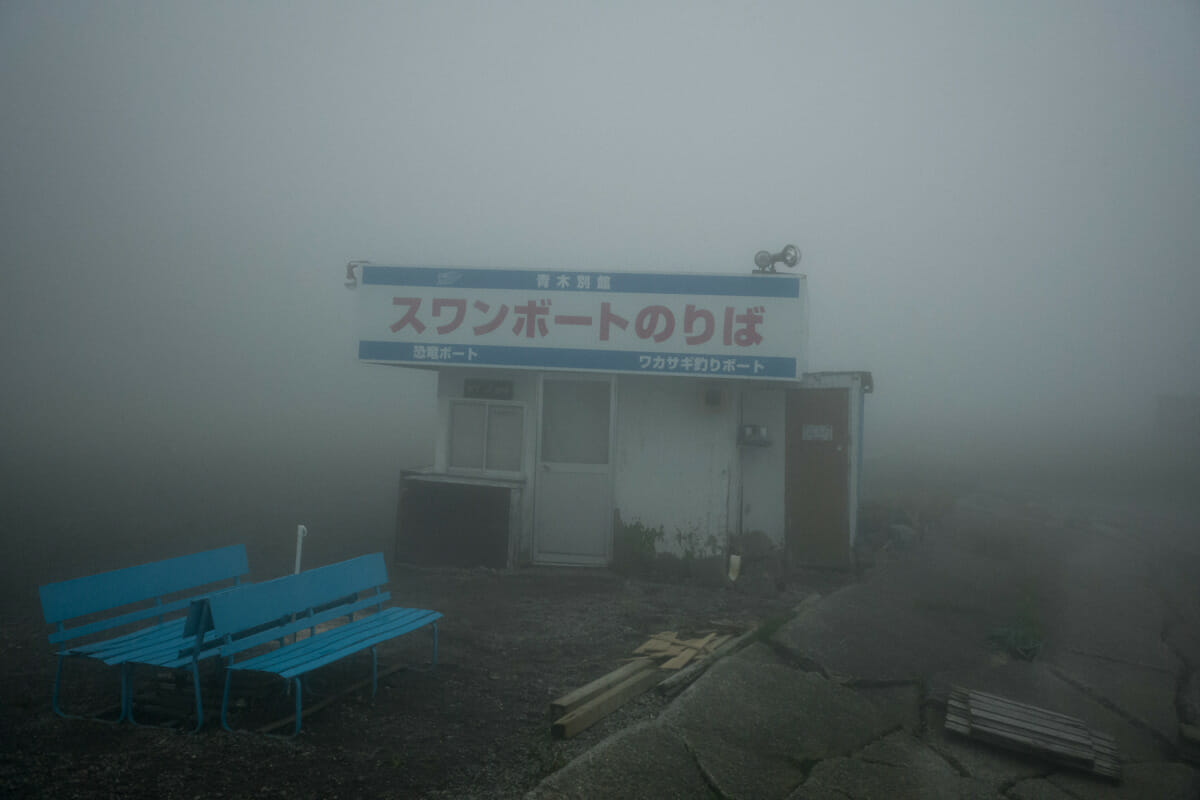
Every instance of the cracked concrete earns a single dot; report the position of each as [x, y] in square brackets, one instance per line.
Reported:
[898, 766]
[647, 760]
[755, 727]
[847, 699]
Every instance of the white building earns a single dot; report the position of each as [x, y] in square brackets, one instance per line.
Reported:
[575, 408]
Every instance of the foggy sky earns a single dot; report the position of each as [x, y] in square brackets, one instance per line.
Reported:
[998, 204]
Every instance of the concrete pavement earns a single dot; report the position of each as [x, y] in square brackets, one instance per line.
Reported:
[848, 698]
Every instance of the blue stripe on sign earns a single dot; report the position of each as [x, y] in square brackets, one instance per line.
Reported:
[579, 359]
[621, 282]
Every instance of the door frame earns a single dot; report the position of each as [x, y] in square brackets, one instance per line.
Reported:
[539, 470]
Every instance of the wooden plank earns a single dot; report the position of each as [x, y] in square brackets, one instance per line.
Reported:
[716, 643]
[698, 644]
[658, 642]
[1077, 734]
[1074, 741]
[1058, 725]
[680, 680]
[680, 661]
[602, 705]
[1022, 738]
[981, 698]
[1023, 727]
[572, 700]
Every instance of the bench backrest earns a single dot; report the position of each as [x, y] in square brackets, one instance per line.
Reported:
[284, 605]
[106, 591]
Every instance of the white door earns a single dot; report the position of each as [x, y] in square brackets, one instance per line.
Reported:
[573, 502]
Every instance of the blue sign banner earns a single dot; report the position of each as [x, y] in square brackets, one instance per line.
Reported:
[736, 326]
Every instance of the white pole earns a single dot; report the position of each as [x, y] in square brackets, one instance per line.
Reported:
[301, 532]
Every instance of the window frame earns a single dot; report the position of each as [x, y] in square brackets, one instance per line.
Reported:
[487, 405]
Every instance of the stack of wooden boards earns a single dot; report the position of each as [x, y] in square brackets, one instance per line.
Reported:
[656, 658]
[1018, 726]
[679, 652]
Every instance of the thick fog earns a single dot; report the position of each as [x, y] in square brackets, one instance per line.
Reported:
[998, 206]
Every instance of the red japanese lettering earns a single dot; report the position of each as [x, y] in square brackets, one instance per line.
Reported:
[572, 319]
[410, 318]
[491, 324]
[649, 319]
[532, 313]
[691, 315]
[460, 311]
[749, 335]
[607, 318]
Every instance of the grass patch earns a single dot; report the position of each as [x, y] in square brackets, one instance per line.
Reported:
[1022, 637]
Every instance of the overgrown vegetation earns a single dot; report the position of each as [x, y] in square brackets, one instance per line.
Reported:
[1023, 637]
[690, 545]
[635, 545]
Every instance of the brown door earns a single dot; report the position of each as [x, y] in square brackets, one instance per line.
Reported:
[817, 477]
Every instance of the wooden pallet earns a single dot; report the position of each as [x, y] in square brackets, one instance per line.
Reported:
[580, 709]
[1018, 726]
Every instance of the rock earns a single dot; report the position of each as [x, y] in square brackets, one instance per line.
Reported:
[898, 767]
[1189, 699]
[647, 760]
[753, 726]
[1151, 781]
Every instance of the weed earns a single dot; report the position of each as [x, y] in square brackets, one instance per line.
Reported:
[1022, 637]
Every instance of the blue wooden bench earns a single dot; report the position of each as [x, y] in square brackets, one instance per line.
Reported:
[99, 604]
[340, 606]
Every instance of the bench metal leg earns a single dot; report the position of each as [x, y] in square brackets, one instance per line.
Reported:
[127, 692]
[374, 672]
[434, 664]
[199, 700]
[294, 682]
[225, 701]
[57, 708]
[299, 713]
[127, 699]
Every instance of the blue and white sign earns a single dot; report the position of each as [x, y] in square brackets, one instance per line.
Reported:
[734, 326]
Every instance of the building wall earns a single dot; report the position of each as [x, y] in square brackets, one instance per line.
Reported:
[525, 391]
[676, 458]
[763, 468]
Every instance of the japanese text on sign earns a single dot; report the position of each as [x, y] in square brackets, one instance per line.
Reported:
[746, 326]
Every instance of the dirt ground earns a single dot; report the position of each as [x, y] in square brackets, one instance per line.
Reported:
[477, 726]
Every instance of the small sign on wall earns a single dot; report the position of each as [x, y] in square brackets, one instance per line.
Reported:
[816, 433]
[482, 389]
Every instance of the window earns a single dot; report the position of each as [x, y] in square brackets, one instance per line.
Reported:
[486, 435]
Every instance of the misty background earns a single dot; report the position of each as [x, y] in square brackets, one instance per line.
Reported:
[997, 206]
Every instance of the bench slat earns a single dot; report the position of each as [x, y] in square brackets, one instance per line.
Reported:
[244, 607]
[301, 623]
[116, 622]
[361, 644]
[107, 590]
[358, 645]
[152, 637]
[343, 638]
[164, 651]
[131, 639]
[329, 646]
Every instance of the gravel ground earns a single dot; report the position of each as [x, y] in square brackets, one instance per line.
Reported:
[477, 726]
